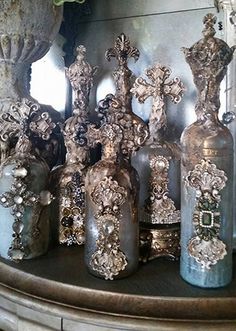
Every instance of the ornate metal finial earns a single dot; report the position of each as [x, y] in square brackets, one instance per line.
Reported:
[209, 20]
[206, 247]
[81, 74]
[159, 87]
[122, 51]
[208, 60]
[25, 119]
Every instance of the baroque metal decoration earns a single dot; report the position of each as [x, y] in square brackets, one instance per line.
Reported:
[71, 193]
[135, 131]
[160, 206]
[158, 88]
[26, 116]
[206, 247]
[108, 260]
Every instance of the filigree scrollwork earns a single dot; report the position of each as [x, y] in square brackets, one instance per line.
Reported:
[17, 120]
[26, 118]
[122, 50]
[134, 130]
[206, 247]
[208, 60]
[159, 87]
[18, 199]
[42, 125]
[160, 207]
[108, 260]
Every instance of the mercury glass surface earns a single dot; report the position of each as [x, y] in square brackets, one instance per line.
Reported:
[207, 168]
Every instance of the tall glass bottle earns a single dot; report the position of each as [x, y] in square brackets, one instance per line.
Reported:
[158, 165]
[24, 221]
[207, 168]
[68, 209]
[112, 240]
[112, 243]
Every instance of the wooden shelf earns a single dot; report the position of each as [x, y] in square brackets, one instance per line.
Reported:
[155, 291]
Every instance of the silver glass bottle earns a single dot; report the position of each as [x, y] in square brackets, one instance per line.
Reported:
[207, 168]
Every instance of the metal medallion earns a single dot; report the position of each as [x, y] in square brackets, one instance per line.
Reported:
[206, 247]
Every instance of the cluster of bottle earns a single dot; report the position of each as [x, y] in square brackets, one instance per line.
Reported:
[126, 207]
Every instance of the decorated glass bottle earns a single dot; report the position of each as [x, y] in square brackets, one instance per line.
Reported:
[68, 208]
[24, 221]
[158, 166]
[112, 241]
[207, 167]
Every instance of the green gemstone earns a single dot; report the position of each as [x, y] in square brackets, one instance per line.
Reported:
[206, 219]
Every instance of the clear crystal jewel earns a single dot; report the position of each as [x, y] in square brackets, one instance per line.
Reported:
[109, 227]
[18, 199]
[17, 227]
[16, 254]
[228, 117]
[3, 199]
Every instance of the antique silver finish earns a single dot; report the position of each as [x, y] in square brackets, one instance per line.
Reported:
[158, 88]
[155, 158]
[207, 146]
[111, 245]
[205, 246]
[68, 179]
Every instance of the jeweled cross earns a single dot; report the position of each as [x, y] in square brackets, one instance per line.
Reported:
[158, 88]
[122, 51]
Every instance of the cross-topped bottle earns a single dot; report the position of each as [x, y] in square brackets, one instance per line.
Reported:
[158, 164]
[111, 245]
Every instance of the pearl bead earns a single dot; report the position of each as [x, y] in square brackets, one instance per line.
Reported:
[20, 172]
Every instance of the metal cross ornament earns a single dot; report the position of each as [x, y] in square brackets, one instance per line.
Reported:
[158, 88]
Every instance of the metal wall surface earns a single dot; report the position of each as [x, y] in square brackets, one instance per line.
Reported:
[158, 29]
